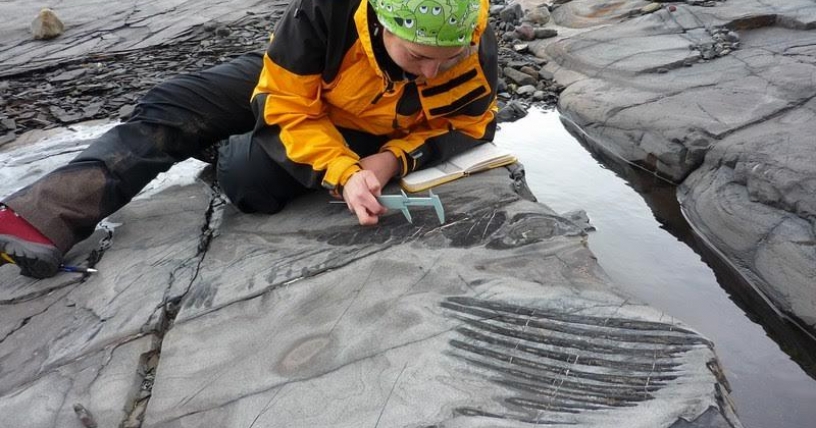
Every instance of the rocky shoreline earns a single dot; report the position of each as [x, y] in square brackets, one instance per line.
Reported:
[659, 49]
[107, 86]
[716, 97]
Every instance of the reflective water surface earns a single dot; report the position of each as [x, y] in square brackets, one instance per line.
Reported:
[645, 245]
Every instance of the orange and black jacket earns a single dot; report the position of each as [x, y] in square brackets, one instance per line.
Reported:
[326, 67]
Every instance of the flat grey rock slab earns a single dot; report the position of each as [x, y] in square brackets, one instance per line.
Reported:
[56, 331]
[104, 382]
[499, 317]
[647, 88]
[94, 26]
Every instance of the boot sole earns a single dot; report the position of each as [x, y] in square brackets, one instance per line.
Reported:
[35, 260]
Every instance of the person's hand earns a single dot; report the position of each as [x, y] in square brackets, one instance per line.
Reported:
[384, 165]
[360, 194]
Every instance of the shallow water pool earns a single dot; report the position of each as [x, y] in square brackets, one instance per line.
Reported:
[645, 245]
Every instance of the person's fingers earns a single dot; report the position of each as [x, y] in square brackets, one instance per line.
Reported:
[360, 194]
[368, 201]
[365, 217]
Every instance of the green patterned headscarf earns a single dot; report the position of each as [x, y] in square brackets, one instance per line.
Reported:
[429, 22]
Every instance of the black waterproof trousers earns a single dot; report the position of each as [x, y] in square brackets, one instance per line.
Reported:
[175, 120]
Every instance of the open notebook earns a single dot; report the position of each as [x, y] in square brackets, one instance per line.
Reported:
[480, 158]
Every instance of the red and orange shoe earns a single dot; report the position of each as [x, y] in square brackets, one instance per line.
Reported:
[22, 244]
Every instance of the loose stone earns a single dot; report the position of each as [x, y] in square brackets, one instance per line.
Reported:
[525, 32]
[518, 77]
[8, 124]
[651, 7]
[545, 75]
[68, 76]
[46, 25]
[545, 33]
[529, 71]
[526, 90]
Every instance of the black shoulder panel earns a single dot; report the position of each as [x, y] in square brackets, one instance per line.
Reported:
[489, 60]
[313, 36]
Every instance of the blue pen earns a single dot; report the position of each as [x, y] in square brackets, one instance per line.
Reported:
[5, 258]
[77, 269]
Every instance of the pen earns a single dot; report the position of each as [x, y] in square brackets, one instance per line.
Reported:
[64, 268]
[77, 269]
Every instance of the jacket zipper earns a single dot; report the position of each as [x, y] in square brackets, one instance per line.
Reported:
[389, 87]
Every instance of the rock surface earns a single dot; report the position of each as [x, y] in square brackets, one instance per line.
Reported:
[202, 316]
[719, 98]
[499, 317]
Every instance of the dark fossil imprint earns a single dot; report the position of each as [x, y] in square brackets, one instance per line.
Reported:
[555, 364]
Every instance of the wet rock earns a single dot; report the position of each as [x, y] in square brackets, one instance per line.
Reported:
[580, 219]
[518, 77]
[512, 13]
[46, 25]
[511, 111]
[526, 90]
[745, 173]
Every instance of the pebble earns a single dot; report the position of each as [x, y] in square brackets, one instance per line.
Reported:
[518, 77]
[526, 90]
[511, 111]
[651, 7]
[46, 25]
[521, 47]
[529, 71]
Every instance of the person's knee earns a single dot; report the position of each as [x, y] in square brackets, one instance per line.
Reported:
[237, 176]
